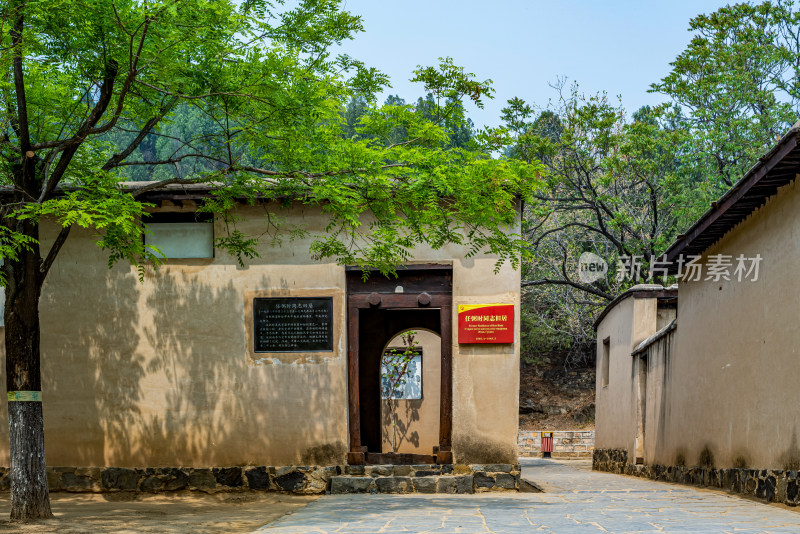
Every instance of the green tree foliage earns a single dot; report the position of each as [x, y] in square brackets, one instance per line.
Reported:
[451, 117]
[612, 187]
[736, 89]
[168, 141]
[355, 109]
[623, 187]
[246, 98]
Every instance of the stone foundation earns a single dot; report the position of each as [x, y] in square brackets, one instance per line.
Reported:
[610, 460]
[459, 478]
[566, 443]
[769, 485]
[301, 480]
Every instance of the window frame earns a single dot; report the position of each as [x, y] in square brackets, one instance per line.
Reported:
[172, 217]
[605, 360]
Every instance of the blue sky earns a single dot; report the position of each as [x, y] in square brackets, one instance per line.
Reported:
[617, 46]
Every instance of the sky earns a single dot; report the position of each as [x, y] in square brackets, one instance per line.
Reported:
[616, 46]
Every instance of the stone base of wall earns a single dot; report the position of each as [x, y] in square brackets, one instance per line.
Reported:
[459, 478]
[301, 480]
[566, 443]
[610, 460]
[304, 480]
[769, 485]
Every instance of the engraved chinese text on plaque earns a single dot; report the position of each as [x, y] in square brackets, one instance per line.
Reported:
[293, 324]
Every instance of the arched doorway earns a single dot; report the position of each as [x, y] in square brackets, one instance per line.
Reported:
[410, 406]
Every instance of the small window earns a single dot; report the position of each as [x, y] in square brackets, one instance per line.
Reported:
[181, 235]
[605, 360]
[401, 376]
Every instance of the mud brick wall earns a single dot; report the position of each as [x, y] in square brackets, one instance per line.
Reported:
[566, 443]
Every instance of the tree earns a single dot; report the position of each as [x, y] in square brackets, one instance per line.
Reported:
[87, 82]
[612, 188]
[452, 117]
[625, 188]
[735, 89]
[165, 142]
[356, 108]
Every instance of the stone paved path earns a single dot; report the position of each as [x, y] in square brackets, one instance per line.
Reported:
[575, 500]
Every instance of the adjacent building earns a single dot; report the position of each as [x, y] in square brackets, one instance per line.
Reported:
[707, 376]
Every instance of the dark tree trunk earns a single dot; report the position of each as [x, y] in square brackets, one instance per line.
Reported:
[30, 497]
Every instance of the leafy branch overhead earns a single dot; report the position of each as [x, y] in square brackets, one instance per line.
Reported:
[249, 101]
[735, 87]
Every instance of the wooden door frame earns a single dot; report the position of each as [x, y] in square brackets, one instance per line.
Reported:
[385, 297]
[641, 362]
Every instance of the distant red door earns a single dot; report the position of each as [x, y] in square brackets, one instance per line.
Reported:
[547, 444]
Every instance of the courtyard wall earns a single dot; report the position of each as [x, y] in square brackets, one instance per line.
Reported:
[161, 372]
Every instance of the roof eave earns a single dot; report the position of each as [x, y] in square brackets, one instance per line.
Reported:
[754, 176]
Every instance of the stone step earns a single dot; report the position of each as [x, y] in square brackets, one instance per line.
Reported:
[426, 478]
[404, 484]
[303, 480]
[421, 470]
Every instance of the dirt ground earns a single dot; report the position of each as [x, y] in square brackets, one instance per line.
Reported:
[555, 397]
[181, 512]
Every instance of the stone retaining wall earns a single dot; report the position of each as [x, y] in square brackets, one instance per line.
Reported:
[303, 480]
[770, 485]
[566, 443]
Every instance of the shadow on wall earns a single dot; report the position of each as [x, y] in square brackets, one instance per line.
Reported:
[91, 369]
[418, 419]
[197, 369]
[156, 374]
[407, 415]
[483, 449]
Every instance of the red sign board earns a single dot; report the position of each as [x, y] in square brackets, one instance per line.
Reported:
[486, 323]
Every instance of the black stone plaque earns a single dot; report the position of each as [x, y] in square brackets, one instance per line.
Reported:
[293, 324]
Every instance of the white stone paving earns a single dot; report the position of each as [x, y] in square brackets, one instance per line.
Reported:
[576, 499]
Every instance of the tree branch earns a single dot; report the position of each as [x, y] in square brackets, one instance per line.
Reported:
[54, 249]
[570, 283]
[72, 145]
[114, 160]
[184, 96]
[133, 70]
[169, 161]
[164, 183]
[19, 82]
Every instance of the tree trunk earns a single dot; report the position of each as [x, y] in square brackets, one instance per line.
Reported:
[30, 496]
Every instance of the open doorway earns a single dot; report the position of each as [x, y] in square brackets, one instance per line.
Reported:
[377, 329]
[410, 402]
[420, 300]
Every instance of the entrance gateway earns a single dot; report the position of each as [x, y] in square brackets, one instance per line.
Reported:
[378, 309]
